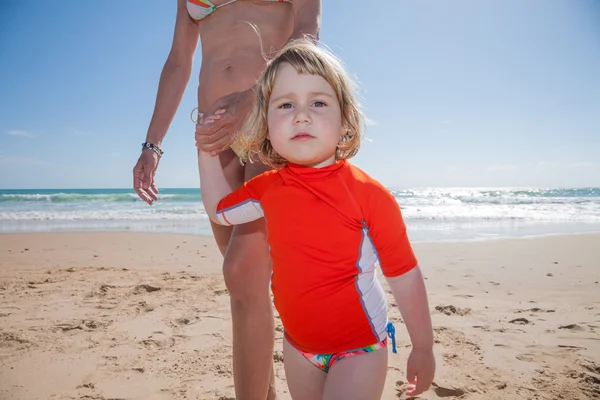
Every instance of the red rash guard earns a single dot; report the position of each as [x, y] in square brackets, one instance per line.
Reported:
[328, 228]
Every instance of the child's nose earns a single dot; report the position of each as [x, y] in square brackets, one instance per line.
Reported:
[302, 115]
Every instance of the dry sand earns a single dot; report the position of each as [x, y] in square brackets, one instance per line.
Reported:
[144, 316]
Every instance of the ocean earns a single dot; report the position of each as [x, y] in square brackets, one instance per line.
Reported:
[431, 214]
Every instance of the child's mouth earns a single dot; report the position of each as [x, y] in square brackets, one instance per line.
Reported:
[303, 136]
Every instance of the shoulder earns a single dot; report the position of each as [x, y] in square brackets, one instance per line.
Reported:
[265, 177]
[361, 182]
[262, 182]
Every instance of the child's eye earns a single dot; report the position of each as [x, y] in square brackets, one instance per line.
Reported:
[319, 104]
[286, 105]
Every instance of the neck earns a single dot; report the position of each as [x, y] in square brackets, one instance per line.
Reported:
[318, 164]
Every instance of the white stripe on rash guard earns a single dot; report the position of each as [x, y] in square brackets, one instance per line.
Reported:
[371, 293]
[241, 213]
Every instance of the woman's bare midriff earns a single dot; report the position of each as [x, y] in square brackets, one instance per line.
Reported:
[233, 56]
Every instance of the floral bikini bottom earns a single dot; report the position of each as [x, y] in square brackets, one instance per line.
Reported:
[326, 361]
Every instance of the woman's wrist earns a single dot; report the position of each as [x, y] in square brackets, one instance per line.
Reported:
[154, 147]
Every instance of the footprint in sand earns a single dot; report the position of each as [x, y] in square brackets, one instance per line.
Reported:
[536, 309]
[158, 342]
[452, 310]
[85, 325]
[484, 328]
[142, 306]
[183, 321]
[145, 288]
[457, 340]
[12, 338]
[520, 321]
[566, 346]
[572, 327]
[591, 366]
[525, 357]
[448, 357]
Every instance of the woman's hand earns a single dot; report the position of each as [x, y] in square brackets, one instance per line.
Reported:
[217, 126]
[143, 176]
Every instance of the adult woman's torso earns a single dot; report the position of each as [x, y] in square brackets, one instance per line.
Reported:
[233, 50]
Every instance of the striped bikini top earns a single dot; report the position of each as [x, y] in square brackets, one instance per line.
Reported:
[200, 9]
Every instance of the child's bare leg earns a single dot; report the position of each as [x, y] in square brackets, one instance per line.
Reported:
[359, 377]
[304, 379]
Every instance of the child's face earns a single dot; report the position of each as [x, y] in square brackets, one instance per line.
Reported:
[304, 118]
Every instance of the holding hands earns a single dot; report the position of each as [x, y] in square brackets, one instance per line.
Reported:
[216, 127]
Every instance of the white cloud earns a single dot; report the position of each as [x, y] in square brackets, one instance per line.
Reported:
[502, 168]
[16, 160]
[21, 133]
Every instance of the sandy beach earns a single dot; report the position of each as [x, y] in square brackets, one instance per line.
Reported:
[146, 316]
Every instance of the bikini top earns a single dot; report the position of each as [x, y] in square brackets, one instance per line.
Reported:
[200, 9]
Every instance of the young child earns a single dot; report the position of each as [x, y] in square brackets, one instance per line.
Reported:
[329, 225]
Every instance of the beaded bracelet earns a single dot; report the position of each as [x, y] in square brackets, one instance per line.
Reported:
[153, 147]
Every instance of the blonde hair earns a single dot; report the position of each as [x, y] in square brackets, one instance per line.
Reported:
[307, 58]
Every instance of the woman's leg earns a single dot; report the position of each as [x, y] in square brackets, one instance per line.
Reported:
[359, 377]
[304, 379]
[247, 273]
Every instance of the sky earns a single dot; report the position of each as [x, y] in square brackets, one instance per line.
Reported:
[460, 93]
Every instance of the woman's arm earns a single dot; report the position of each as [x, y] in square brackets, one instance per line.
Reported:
[173, 80]
[175, 74]
[307, 19]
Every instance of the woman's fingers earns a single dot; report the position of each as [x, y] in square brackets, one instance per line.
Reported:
[215, 146]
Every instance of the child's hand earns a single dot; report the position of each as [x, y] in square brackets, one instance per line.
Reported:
[420, 370]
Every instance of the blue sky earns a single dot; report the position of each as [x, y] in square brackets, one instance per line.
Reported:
[463, 93]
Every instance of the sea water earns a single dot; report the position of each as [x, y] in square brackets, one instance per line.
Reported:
[431, 214]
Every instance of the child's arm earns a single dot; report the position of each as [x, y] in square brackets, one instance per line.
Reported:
[401, 269]
[213, 184]
[411, 297]
[224, 206]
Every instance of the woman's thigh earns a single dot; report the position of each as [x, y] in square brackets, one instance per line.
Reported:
[359, 377]
[305, 380]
